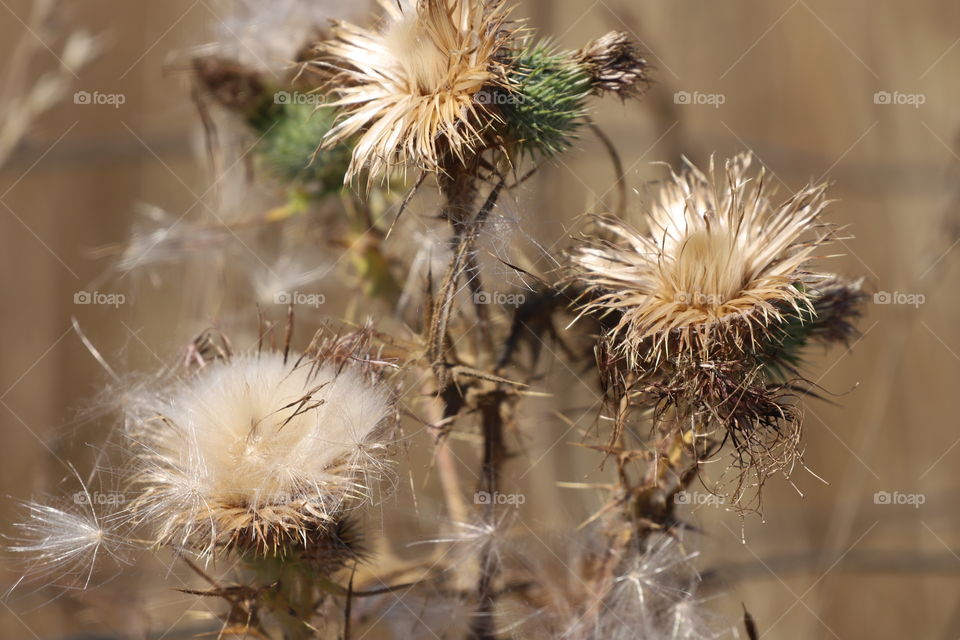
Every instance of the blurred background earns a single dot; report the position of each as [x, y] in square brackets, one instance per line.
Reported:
[861, 93]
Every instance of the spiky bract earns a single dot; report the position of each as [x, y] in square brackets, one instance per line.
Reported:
[286, 123]
[287, 148]
[407, 90]
[546, 99]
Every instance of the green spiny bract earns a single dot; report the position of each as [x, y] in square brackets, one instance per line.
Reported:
[288, 147]
[546, 101]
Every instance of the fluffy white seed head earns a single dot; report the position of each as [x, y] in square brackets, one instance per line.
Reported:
[260, 450]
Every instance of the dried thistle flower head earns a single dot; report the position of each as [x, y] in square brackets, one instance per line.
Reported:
[720, 265]
[616, 65]
[408, 88]
[261, 451]
[709, 310]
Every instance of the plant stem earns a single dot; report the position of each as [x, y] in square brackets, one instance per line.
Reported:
[465, 237]
[494, 454]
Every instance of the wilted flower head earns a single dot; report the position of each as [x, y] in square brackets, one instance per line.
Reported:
[616, 65]
[262, 451]
[720, 264]
[711, 306]
[408, 88]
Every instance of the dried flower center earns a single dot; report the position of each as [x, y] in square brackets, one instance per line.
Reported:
[425, 67]
[708, 272]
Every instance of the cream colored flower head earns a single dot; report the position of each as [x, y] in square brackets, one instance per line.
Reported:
[408, 89]
[719, 263]
[259, 451]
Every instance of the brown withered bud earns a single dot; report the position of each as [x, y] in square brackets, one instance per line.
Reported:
[840, 301]
[616, 65]
[231, 84]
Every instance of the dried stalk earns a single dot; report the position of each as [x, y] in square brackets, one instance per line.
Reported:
[494, 454]
[25, 98]
[465, 237]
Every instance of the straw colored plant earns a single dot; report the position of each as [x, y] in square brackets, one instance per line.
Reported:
[261, 468]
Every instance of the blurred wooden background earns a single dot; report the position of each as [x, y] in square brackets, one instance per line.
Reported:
[798, 80]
